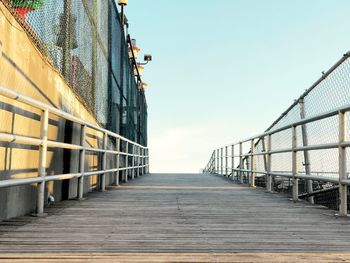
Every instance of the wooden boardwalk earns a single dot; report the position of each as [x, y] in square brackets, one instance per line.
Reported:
[194, 217]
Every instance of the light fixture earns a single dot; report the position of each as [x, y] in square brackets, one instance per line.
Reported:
[133, 49]
[122, 4]
[144, 85]
[140, 68]
[147, 58]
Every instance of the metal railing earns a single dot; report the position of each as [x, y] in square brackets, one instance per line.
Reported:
[138, 154]
[219, 161]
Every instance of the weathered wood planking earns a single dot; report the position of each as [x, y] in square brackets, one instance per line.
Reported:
[180, 213]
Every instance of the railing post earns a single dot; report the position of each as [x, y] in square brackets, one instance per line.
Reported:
[44, 121]
[343, 204]
[306, 153]
[104, 163]
[82, 163]
[294, 165]
[147, 161]
[241, 162]
[126, 162]
[233, 161]
[117, 174]
[218, 161]
[133, 169]
[221, 161]
[226, 160]
[138, 160]
[268, 165]
[252, 164]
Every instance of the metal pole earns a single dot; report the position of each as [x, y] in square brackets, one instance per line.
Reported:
[294, 165]
[222, 160]
[138, 160]
[133, 170]
[252, 164]
[306, 153]
[233, 161]
[269, 186]
[241, 162]
[226, 161]
[126, 162]
[118, 162]
[82, 163]
[44, 120]
[104, 163]
[343, 204]
[218, 161]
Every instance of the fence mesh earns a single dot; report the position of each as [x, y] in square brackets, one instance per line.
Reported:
[330, 92]
[85, 42]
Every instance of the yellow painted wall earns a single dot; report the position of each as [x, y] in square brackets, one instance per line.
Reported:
[25, 70]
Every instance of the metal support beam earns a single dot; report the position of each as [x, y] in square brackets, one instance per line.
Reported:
[217, 161]
[104, 163]
[233, 161]
[306, 153]
[294, 165]
[222, 161]
[117, 174]
[269, 186]
[252, 164]
[126, 162]
[241, 162]
[343, 205]
[82, 163]
[44, 120]
[226, 160]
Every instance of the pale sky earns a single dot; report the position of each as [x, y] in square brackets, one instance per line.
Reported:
[224, 70]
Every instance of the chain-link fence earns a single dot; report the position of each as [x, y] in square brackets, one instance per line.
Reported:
[86, 43]
[329, 93]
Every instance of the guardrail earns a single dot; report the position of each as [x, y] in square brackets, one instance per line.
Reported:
[138, 154]
[219, 161]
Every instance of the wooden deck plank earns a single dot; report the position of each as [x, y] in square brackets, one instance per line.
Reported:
[179, 213]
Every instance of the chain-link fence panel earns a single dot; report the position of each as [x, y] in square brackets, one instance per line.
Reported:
[85, 41]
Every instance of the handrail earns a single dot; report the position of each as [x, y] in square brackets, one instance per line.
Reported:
[136, 154]
[216, 163]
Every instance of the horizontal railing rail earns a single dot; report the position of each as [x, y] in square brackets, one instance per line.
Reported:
[138, 154]
[219, 161]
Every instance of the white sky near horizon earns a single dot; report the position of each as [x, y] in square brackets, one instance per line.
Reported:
[224, 70]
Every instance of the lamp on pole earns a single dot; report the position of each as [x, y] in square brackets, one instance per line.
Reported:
[122, 4]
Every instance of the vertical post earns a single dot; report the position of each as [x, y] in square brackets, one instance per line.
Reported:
[133, 169]
[126, 162]
[222, 161]
[104, 163]
[44, 121]
[138, 161]
[218, 161]
[343, 204]
[268, 166]
[294, 165]
[82, 163]
[233, 161]
[214, 162]
[226, 160]
[252, 164]
[306, 153]
[118, 162]
[241, 162]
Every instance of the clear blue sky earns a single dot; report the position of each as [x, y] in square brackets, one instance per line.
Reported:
[226, 69]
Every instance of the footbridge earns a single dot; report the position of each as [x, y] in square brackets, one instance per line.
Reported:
[75, 180]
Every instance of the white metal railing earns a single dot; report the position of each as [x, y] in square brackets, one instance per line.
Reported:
[138, 154]
[219, 163]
